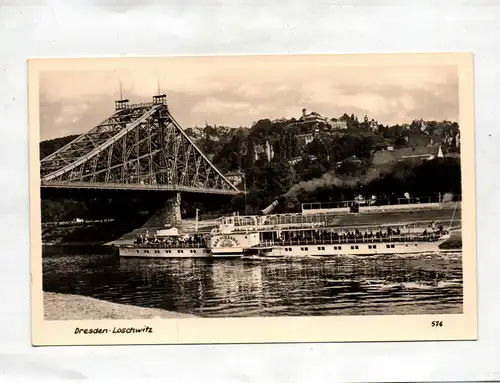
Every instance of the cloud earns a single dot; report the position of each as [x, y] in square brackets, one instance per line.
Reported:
[62, 118]
[214, 105]
[237, 91]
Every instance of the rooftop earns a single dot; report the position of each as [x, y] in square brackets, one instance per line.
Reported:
[423, 152]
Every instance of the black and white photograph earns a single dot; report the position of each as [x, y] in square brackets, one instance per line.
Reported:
[253, 187]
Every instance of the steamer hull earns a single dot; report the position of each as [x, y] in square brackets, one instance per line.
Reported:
[354, 249]
[147, 252]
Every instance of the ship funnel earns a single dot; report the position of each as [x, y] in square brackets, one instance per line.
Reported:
[270, 208]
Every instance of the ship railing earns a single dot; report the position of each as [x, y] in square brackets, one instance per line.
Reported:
[253, 228]
[332, 241]
[416, 228]
[273, 219]
[170, 245]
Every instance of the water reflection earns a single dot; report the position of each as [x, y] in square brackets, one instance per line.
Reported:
[218, 288]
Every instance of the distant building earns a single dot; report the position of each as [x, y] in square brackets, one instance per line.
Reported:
[265, 149]
[425, 153]
[354, 160]
[296, 160]
[304, 139]
[278, 120]
[269, 151]
[420, 124]
[313, 117]
[371, 125]
[338, 125]
[235, 177]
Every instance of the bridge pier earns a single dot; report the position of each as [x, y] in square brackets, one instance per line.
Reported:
[169, 214]
[172, 210]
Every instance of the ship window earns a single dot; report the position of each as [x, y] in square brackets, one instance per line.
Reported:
[416, 244]
[194, 251]
[319, 248]
[392, 246]
[388, 246]
[357, 247]
[306, 248]
[340, 247]
[323, 248]
[146, 251]
[352, 247]
[374, 246]
[137, 250]
[246, 237]
[369, 246]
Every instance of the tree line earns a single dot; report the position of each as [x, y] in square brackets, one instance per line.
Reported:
[273, 160]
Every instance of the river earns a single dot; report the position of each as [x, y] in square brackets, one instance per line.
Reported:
[248, 288]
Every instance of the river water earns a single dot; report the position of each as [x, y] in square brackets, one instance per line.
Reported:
[422, 284]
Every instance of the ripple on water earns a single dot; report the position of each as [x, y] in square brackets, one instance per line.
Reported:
[235, 288]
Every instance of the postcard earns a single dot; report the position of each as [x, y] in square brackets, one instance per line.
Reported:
[252, 199]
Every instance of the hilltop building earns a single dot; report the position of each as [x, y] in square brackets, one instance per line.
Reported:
[312, 117]
[371, 124]
[317, 119]
[319, 124]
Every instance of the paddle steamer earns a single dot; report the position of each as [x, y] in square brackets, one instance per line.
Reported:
[289, 235]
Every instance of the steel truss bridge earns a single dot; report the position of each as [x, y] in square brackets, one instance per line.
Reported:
[140, 147]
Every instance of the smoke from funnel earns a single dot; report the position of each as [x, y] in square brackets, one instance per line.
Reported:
[330, 179]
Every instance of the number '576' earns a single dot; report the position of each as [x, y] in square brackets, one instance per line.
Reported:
[437, 323]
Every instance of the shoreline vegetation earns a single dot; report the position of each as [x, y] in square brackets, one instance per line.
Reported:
[299, 160]
[59, 306]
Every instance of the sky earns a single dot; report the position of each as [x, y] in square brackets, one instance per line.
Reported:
[239, 90]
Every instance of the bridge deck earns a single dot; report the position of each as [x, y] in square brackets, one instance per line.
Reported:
[106, 186]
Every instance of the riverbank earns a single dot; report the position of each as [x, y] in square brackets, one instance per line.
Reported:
[75, 307]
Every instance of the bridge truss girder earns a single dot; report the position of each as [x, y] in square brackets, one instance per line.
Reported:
[141, 147]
